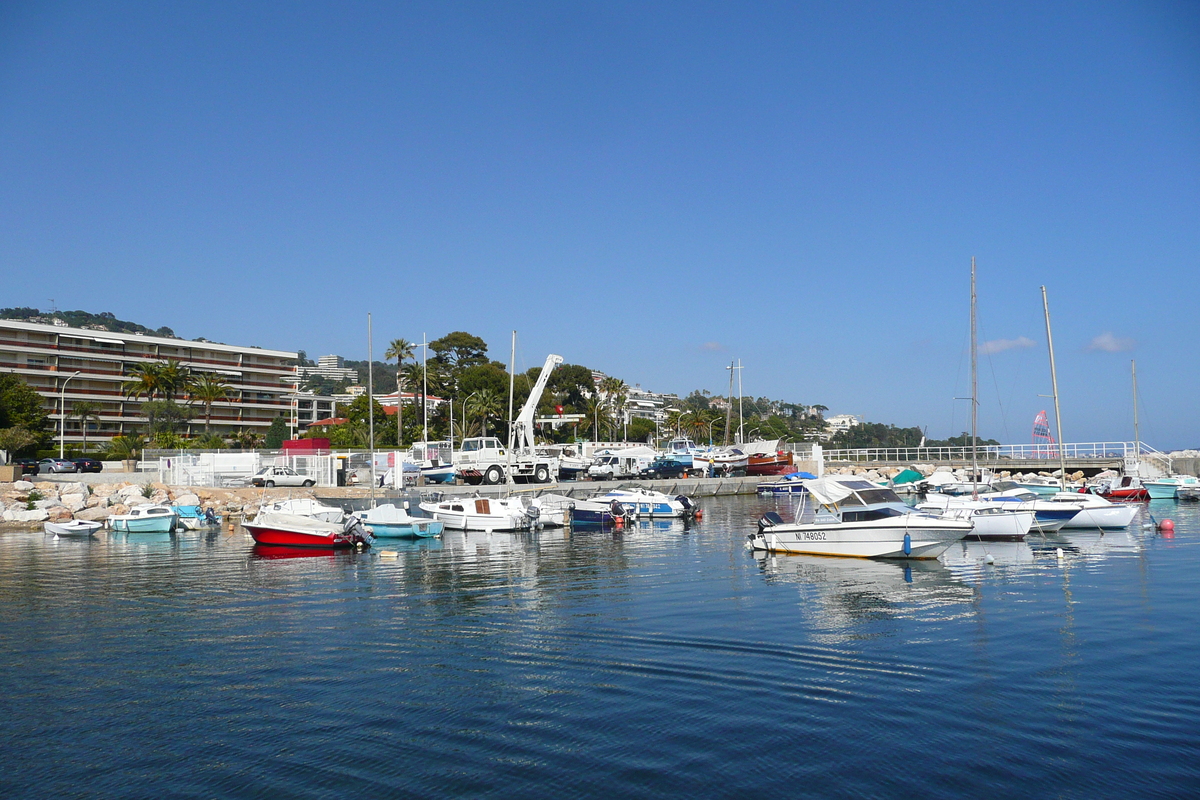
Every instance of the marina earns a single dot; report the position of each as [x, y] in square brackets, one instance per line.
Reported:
[662, 660]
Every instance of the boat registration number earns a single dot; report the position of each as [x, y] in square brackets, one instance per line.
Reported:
[813, 536]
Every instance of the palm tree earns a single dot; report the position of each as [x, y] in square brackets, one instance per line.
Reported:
[174, 377]
[209, 388]
[85, 410]
[597, 411]
[487, 403]
[145, 380]
[615, 392]
[401, 350]
[414, 376]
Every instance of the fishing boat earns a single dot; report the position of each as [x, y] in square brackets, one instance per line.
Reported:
[482, 513]
[74, 527]
[1125, 489]
[295, 530]
[389, 521]
[145, 518]
[435, 460]
[854, 517]
[306, 507]
[684, 450]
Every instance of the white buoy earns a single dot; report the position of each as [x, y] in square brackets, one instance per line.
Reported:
[990, 559]
[1058, 552]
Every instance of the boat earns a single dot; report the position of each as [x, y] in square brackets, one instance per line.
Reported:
[1093, 511]
[721, 461]
[788, 484]
[1188, 494]
[435, 460]
[306, 507]
[649, 504]
[554, 510]
[1045, 487]
[295, 530]
[482, 513]
[389, 521]
[74, 527]
[854, 517]
[145, 518]
[683, 449]
[195, 518]
[990, 521]
[1125, 489]
[1167, 488]
[779, 463]
[1047, 517]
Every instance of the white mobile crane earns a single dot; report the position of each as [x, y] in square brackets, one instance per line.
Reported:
[483, 459]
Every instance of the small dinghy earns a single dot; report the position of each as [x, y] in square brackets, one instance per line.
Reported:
[76, 527]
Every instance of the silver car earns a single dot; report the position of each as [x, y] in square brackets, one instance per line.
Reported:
[47, 465]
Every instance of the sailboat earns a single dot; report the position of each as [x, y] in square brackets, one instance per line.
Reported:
[1128, 488]
[989, 520]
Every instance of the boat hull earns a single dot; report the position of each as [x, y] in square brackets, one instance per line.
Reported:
[928, 538]
[164, 524]
[415, 529]
[76, 527]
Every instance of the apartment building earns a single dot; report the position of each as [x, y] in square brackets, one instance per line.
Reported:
[67, 365]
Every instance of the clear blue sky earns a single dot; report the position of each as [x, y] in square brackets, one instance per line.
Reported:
[647, 189]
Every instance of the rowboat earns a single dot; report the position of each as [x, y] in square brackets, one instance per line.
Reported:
[75, 527]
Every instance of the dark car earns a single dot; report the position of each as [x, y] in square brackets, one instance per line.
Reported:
[87, 465]
[49, 465]
[29, 466]
[665, 467]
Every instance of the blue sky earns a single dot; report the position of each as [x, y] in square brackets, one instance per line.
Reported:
[648, 189]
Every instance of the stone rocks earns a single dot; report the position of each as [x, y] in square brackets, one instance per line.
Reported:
[94, 514]
[59, 514]
[75, 502]
[187, 499]
[22, 486]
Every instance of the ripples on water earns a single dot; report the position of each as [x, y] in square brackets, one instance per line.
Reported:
[660, 661]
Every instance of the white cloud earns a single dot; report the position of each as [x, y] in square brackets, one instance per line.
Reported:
[1111, 344]
[1000, 345]
[712, 347]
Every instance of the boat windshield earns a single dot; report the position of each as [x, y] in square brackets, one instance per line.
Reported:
[866, 497]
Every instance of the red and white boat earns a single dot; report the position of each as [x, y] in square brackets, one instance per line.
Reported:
[294, 530]
[777, 463]
[1126, 489]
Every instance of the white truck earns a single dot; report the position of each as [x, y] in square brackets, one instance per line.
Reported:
[484, 459]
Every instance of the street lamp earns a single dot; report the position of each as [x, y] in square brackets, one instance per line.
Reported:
[464, 419]
[710, 424]
[62, 414]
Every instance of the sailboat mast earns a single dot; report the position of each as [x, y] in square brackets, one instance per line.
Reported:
[974, 393]
[729, 408]
[425, 387]
[1137, 437]
[1062, 459]
[371, 407]
[512, 371]
[741, 435]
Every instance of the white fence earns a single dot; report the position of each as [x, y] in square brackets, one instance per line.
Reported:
[996, 453]
[223, 468]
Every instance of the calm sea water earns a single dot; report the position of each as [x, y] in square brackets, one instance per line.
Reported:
[663, 661]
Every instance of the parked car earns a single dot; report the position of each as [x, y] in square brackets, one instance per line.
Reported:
[49, 465]
[280, 476]
[29, 466]
[83, 464]
[665, 467]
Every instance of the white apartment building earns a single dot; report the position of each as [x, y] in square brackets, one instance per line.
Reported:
[66, 365]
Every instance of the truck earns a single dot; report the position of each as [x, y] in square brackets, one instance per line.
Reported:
[484, 459]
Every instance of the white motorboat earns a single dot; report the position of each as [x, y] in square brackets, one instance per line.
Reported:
[554, 510]
[854, 517]
[482, 513]
[1094, 511]
[649, 504]
[305, 507]
[1168, 488]
[989, 520]
[75, 527]
[721, 461]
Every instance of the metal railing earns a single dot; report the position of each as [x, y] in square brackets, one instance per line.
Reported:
[994, 453]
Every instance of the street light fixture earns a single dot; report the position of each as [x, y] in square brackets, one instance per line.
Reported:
[464, 419]
[62, 414]
[710, 426]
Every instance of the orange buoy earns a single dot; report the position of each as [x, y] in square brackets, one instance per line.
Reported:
[699, 514]
[1167, 528]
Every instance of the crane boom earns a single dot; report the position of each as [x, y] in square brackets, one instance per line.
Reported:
[523, 425]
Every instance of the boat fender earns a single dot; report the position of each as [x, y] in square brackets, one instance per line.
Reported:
[907, 545]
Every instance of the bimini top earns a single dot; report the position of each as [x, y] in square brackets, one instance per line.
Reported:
[849, 491]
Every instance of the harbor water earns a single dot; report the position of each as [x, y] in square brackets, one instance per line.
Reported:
[663, 660]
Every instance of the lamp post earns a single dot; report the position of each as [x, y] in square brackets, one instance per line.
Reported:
[464, 419]
[710, 424]
[62, 414]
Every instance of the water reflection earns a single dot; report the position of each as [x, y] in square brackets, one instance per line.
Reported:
[851, 591]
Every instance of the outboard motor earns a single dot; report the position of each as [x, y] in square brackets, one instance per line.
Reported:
[353, 526]
[769, 520]
[616, 509]
[533, 514]
[684, 501]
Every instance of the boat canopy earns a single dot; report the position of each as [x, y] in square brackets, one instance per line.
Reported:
[907, 476]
